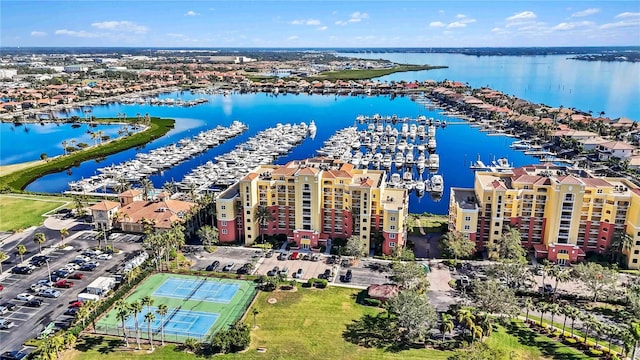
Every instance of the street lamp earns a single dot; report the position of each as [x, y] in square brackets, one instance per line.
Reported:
[48, 269]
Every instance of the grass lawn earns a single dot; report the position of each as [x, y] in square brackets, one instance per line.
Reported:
[19, 211]
[369, 73]
[526, 344]
[429, 223]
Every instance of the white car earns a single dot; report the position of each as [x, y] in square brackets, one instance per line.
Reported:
[104, 257]
[45, 282]
[93, 262]
[25, 297]
[50, 293]
[72, 266]
[83, 258]
[6, 324]
[38, 287]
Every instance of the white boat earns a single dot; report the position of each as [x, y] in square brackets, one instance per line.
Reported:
[395, 178]
[312, 128]
[431, 143]
[437, 183]
[434, 161]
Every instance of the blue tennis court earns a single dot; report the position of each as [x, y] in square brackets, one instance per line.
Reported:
[197, 289]
[177, 322]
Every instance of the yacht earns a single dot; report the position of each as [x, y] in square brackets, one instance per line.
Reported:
[437, 183]
[434, 161]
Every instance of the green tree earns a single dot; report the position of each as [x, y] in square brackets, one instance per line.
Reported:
[150, 317]
[162, 310]
[508, 246]
[64, 232]
[262, 217]
[208, 235]
[136, 308]
[495, 298]
[528, 305]
[553, 309]
[457, 245]
[3, 257]
[69, 340]
[543, 308]
[621, 242]
[57, 344]
[355, 247]
[147, 187]
[466, 319]
[634, 338]
[413, 316]
[39, 239]
[561, 274]
[633, 300]
[478, 351]
[410, 275]
[595, 277]
[21, 250]
[446, 324]
[123, 312]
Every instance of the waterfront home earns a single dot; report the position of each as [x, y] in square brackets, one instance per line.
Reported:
[574, 134]
[131, 213]
[561, 213]
[616, 149]
[591, 143]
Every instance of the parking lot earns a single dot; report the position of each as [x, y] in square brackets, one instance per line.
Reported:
[310, 269]
[28, 322]
[225, 256]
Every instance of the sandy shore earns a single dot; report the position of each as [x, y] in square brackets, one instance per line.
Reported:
[8, 169]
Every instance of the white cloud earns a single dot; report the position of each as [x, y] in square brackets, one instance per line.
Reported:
[191, 13]
[292, 38]
[456, 24]
[496, 29]
[437, 24]
[441, 11]
[627, 15]
[122, 26]
[461, 16]
[323, 28]
[587, 12]
[38, 33]
[525, 15]
[355, 17]
[571, 25]
[74, 33]
[622, 23]
[311, 22]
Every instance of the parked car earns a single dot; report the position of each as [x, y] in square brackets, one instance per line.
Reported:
[228, 267]
[77, 276]
[305, 257]
[347, 276]
[71, 311]
[38, 287]
[1, 287]
[62, 273]
[268, 254]
[25, 297]
[36, 262]
[315, 258]
[104, 257]
[298, 274]
[93, 262]
[548, 289]
[49, 293]
[72, 267]
[326, 275]
[76, 304]
[284, 271]
[282, 256]
[33, 303]
[6, 324]
[6, 307]
[273, 272]
[64, 284]
[83, 258]
[87, 267]
[13, 355]
[214, 265]
[294, 255]
[23, 270]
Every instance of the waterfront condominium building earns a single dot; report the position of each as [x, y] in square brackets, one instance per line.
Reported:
[312, 201]
[561, 213]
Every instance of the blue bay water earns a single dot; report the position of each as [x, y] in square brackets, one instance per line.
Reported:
[457, 146]
[612, 87]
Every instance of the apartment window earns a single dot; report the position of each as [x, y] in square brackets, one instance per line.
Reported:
[635, 261]
[364, 228]
[599, 191]
[248, 212]
[392, 227]
[392, 236]
[636, 252]
[392, 244]
[249, 228]
[248, 221]
[393, 218]
[249, 236]
[223, 215]
[224, 231]
[466, 227]
[223, 223]
[223, 207]
[467, 218]
[497, 224]
[495, 232]
[563, 251]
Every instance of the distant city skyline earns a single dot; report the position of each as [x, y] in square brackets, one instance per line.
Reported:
[144, 23]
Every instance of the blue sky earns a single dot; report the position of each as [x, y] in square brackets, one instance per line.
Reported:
[381, 23]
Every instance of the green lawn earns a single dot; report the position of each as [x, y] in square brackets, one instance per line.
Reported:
[369, 73]
[20, 211]
[524, 343]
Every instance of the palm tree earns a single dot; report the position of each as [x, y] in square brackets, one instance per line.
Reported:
[598, 329]
[57, 343]
[574, 314]
[122, 185]
[63, 234]
[122, 313]
[543, 307]
[83, 314]
[21, 249]
[263, 216]
[162, 310]
[476, 332]
[147, 301]
[562, 275]
[136, 308]
[149, 318]
[528, 305]
[554, 309]
[255, 312]
[446, 324]
[565, 310]
[69, 340]
[486, 324]
[208, 235]
[170, 187]
[466, 319]
[147, 187]
[589, 320]
[634, 337]
[39, 238]
[3, 257]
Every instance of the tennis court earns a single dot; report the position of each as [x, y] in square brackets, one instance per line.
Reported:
[198, 306]
[197, 289]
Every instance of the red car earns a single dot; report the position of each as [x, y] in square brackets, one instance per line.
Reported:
[75, 304]
[77, 276]
[64, 284]
[1, 287]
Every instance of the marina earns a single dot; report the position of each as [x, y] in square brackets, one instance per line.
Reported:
[156, 160]
[261, 149]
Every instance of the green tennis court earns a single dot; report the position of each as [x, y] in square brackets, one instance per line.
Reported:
[209, 304]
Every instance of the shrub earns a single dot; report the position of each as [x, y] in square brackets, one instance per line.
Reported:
[372, 302]
[453, 284]
[594, 353]
[312, 281]
[321, 283]
[570, 340]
